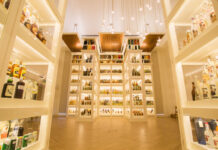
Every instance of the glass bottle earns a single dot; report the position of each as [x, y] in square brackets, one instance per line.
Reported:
[19, 89]
[8, 88]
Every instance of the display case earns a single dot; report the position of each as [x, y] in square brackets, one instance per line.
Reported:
[135, 106]
[111, 85]
[84, 81]
[29, 66]
[19, 133]
[192, 29]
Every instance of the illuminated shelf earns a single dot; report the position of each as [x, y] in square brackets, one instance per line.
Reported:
[81, 94]
[72, 105]
[193, 54]
[182, 9]
[21, 44]
[27, 41]
[33, 146]
[203, 44]
[200, 112]
[47, 10]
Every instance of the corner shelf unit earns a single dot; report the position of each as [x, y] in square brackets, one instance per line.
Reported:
[38, 68]
[194, 56]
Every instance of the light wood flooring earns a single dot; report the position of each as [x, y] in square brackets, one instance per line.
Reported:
[115, 134]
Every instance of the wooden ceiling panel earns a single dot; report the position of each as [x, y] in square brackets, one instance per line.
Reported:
[72, 41]
[150, 42]
[111, 42]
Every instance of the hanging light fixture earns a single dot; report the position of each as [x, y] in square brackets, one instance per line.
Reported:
[113, 11]
[75, 28]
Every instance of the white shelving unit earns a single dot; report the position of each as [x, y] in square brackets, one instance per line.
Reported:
[17, 42]
[150, 103]
[110, 101]
[114, 95]
[83, 91]
[135, 109]
[189, 60]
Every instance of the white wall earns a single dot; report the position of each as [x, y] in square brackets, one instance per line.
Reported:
[163, 79]
[61, 95]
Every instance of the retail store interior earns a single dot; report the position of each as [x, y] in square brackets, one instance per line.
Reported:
[109, 75]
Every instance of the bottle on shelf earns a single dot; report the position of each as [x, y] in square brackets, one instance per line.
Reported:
[208, 135]
[16, 69]
[22, 71]
[19, 89]
[8, 88]
[35, 90]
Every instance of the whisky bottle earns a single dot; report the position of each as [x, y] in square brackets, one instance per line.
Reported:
[19, 89]
[8, 89]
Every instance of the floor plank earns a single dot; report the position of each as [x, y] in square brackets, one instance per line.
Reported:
[115, 134]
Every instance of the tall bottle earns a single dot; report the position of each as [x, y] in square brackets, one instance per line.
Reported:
[215, 139]
[19, 89]
[22, 71]
[208, 135]
[8, 88]
[35, 90]
[16, 69]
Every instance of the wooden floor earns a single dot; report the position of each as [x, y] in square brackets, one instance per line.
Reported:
[115, 134]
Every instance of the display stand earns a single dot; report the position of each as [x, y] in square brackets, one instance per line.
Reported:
[18, 42]
[193, 52]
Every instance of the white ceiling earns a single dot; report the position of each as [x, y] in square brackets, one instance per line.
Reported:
[88, 14]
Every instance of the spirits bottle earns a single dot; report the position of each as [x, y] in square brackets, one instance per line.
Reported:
[215, 139]
[8, 88]
[16, 69]
[9, 70]
[208, 135]
[22, 72]
[35, 90]
[7, 3]
[19, 89]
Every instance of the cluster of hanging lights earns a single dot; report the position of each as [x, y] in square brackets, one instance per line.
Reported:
[133, 12]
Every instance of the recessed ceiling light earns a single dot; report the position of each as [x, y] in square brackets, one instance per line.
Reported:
[113, 12]
[122, 18]
[140, 9]
[161, 23]
[156, 20]
[158, 1]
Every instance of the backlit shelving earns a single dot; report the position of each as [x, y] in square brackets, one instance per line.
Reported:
[39, 56]
[194, 55]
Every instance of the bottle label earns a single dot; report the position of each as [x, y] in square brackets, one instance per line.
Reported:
[9, 91]
[16, 71]
[20, 87]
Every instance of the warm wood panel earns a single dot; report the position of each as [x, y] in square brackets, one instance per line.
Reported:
[111, 42]
[150, 42]
[72, 41]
